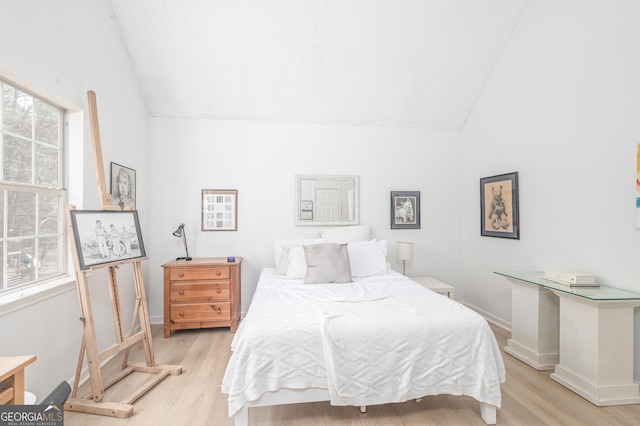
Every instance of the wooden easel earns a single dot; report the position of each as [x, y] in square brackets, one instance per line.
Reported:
[94, 403]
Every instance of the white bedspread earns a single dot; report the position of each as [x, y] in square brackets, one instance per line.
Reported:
[378, 340]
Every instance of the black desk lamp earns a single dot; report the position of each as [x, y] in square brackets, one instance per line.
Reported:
[180, 233]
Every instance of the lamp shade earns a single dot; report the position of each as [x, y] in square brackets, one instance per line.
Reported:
[180, 233]
[404, 251]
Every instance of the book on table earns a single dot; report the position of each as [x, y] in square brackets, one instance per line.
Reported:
[571, 279]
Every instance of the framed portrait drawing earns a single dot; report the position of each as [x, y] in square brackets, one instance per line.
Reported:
[106, 236]
[499, 206]
[123, 186]
[405, 210]
[219, 210]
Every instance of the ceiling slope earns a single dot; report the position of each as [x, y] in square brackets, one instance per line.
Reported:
[404, 63]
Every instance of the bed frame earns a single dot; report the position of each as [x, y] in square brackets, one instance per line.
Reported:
[297, 396]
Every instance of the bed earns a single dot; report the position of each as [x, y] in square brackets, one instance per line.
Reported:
[377, 338]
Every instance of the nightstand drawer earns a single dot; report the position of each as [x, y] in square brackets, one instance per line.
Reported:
[208, 291]
[186, 274]
[201, 312]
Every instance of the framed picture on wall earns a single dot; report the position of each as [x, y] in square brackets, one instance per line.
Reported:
[405, 210]
[219, 210]
[106, 236]
[123, 186]
[499, 206]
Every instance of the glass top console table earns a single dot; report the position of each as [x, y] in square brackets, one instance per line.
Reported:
[584, 334]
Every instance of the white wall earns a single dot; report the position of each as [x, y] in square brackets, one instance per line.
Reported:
[261, 160]
[562, 108]
[66, 48]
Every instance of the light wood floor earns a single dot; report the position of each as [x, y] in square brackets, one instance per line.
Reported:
[529, 397]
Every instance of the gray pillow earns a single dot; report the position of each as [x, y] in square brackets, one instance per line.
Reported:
[327, 263]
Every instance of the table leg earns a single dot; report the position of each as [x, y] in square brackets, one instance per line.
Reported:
[596, 350]
[534, 325]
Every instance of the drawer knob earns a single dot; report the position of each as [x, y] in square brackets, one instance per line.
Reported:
[181, 314]
[181, 292]
[218, 290]
[181, 274]
[218, 273]
[219, 311]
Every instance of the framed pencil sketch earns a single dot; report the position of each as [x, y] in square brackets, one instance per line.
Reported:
[405, 210]
[499, 206]
[123, 186]
[106, 236]
[219, 210]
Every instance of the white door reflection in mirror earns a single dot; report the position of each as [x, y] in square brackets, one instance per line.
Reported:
[326, 200]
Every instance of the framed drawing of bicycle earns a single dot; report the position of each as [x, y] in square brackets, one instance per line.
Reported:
[106, 236]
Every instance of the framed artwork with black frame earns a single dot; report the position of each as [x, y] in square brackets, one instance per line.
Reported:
[106, 236]
[405, 210]
[219, 210]
[499, 210]
[123, 186]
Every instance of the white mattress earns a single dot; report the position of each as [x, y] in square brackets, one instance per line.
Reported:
[377, 340]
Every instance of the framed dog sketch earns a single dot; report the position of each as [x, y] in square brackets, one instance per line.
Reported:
[499, 206]
[219, 210]
[405, 210]
[106, 236]
[123, 186]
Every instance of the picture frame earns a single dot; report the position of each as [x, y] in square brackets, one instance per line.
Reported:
[123, 186]
[106, 236]
[219, 210]
[405, 210]
[499, 206]
[306, 210]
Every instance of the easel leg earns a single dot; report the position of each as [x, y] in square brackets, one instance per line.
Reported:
[115, 304]
[132, 329]
[76, 380]
[89, 339]
[144, 314]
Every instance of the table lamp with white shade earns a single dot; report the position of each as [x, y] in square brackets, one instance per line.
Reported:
[404, 252]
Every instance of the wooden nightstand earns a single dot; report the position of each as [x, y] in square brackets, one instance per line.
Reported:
[435, 285]
[201, 293]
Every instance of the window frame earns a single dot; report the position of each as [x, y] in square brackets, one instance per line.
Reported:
[71, 183]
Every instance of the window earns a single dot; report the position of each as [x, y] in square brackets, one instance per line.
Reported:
[32, 193]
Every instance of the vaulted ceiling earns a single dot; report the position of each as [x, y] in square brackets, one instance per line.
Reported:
[404, 63]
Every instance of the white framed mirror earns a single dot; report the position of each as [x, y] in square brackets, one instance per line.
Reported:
[327, 200]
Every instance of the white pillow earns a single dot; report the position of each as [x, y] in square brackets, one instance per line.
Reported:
[283, 262]
[280, 244]
[367, 257]
[296, 262]
[346, 234]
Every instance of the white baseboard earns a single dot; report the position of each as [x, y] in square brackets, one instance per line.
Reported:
[489, 317]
